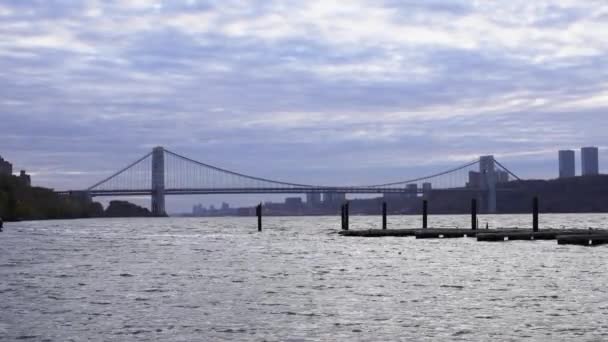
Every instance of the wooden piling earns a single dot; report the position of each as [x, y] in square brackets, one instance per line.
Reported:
[425, 209]
[383, 215]
[474, 214]
[346, 214]
[535, 214]
[258, 211]
[342, 218]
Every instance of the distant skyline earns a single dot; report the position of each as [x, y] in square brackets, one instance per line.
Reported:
[306, 91]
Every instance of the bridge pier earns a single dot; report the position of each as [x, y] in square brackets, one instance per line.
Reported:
[158, 182]
[487, 168]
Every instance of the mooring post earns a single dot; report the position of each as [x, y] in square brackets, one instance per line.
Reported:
[383, 215]
[342, 221]
[425, 209]
[474, 214]
[346, 209]
[258, 211]
[535, 214]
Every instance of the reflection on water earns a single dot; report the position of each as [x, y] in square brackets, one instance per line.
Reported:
[181, 279]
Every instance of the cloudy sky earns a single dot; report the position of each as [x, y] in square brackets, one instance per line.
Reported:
[307, 91]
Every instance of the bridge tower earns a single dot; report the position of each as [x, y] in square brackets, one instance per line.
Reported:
[158, 181]
[487, 170]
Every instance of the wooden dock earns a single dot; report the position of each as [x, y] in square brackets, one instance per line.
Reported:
[584, 237]
[591, 239]
[420, 233]
[564, 236]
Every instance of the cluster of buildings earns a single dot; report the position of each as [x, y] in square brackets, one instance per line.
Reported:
[224, 210]
[589, 162]
[6, 169]
[476, 178]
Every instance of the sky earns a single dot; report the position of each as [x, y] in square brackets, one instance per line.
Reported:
[315, 92]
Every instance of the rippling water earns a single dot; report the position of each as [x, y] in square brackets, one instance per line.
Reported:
[201, 279]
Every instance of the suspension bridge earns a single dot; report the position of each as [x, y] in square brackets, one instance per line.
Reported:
[162, 172]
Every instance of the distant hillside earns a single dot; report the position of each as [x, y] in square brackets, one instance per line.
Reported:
[21, 202]
[586, 194]
[126, 209]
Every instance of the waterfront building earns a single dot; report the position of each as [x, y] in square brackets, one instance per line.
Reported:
[426, 189]
[313, 199]
[25, 178]
[334, 198]
[502, 176]
[474, 179]
[590, 161]
[412, 190]
[6, 168]
[567, 164]
[293, 204]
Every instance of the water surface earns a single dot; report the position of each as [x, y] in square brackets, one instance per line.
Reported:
[179, 279]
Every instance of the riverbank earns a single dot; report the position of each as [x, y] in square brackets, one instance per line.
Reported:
[21, 202]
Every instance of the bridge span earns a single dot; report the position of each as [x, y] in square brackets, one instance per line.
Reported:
[162, 172]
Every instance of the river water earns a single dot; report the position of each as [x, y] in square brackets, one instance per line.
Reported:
[214, 279]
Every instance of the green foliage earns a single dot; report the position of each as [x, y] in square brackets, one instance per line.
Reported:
[126, 209]
[21, 202]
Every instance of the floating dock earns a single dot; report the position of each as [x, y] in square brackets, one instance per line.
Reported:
[563, 236]
[592, 239]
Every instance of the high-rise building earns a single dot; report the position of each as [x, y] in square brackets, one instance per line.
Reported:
[502, 176]
[590, 161]
[25, 178]
[6, 168]
[334, 197]
[313, 199]
[426, 187]
[293, 203]
[567, 165]
[474, 179]
[412, 190]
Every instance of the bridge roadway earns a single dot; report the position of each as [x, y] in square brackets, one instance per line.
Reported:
[343, 190]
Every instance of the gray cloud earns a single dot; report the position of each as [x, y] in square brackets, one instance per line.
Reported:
[308, 92]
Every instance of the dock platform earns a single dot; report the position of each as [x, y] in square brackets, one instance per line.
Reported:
[591, 239]
[583, 237]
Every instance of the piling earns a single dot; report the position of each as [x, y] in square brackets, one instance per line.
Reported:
[1, 224]
[346, 214]
[425, 209]
[258, 211]
[383, 215]
[474, 214]
[342, 217]
[535, 214]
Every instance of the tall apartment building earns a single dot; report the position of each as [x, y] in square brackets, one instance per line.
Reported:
[567, 164]
[590, 161]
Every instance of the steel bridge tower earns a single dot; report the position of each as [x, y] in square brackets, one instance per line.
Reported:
[158, 181]
[488, 182]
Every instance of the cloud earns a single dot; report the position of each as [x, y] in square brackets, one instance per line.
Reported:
[303, 90]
